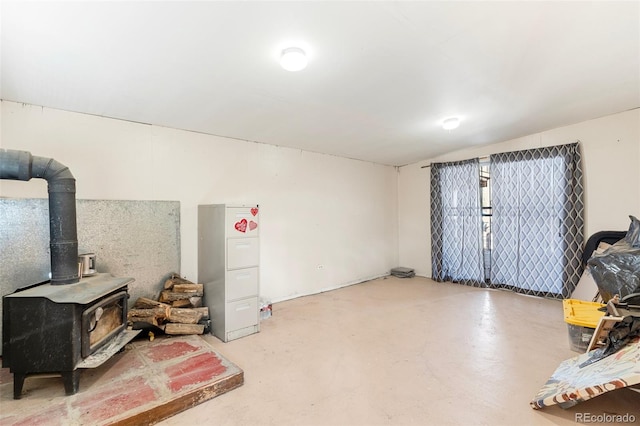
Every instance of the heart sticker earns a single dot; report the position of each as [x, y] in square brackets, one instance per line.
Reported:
[254, 211]
[252, 225]
[241, 226]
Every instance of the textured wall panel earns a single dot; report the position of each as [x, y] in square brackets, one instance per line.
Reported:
[138, 239]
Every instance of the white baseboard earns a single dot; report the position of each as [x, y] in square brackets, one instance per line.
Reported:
[324, 290]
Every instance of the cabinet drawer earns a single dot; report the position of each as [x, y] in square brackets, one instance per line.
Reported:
[242, 283]
[242, 313]
[242, 253]
[242, 222]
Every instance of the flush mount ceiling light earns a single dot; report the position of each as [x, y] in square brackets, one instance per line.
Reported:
[293, 59]
[451, 123]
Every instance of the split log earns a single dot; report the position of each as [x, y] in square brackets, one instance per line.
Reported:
[159, 312]
[182, 303]
[149, 320]
[196, 289]
[175, 279]
[178, 328]
[170, 296]
[184, 316]
[144, 303]
[204, 311]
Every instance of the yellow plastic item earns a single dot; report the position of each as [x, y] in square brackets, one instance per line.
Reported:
[584, 314]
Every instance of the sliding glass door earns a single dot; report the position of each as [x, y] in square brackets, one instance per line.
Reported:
[456, 225]
[514, 222]
[537, 220]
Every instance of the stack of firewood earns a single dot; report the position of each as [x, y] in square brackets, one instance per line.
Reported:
[178, 310]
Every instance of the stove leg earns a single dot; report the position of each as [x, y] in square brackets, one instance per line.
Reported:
[18, 381]
[71, 381]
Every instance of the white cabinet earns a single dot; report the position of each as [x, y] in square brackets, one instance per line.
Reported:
[228, 262]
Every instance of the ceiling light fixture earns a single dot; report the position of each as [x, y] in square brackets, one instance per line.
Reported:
[293, 59]
[451, 123]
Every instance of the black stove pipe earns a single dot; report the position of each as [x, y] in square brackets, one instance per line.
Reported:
[21, 165]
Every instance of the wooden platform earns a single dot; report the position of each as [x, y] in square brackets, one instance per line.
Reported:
[146, 383]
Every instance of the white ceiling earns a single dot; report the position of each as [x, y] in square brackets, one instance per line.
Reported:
[382, 75]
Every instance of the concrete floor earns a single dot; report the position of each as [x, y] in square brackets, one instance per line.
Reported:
[401, 351]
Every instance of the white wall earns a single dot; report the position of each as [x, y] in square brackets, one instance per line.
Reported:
[611, 165]
[325, 221]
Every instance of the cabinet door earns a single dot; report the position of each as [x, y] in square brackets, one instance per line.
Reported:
[242, 283]
[242, 253]
[243, 313]
[242, 222]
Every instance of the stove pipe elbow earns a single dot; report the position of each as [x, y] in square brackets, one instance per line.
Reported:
[21, 165]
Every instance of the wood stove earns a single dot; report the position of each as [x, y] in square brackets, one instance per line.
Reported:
[60, 329]
[69, 322]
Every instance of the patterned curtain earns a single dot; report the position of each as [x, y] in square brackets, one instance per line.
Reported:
[456, 224]
[538, 220]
